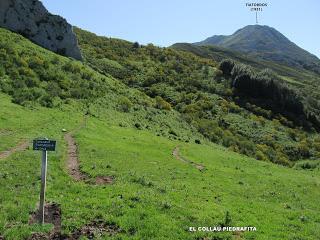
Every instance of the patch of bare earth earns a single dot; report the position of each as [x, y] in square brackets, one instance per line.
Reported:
[237, 235]
[73, 161]
[92, 230]
[5, 132]
[74, 166]
[104, 180]
[20, 147]
[52, 215]
[176, 154]
[96, 229]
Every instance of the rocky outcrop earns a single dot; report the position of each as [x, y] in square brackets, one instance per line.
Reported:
[32, 20]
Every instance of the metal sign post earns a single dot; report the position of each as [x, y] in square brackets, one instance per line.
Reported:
[43, 145]
[43, 185]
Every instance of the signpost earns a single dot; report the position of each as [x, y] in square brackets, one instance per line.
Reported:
[256, 7]
[43, 145]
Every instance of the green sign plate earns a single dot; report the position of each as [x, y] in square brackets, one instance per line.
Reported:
[44, 145]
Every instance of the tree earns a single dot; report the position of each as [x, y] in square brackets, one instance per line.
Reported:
[136, 45]
[226, 66]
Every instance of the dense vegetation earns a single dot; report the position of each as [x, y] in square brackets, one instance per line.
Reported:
[266, 89]
[302, 80]
[198, 89]
[31, 76]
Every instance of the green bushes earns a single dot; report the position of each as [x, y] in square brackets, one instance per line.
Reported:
[39, 77]
[162, 104]
[298, 152]
[124, 104]
[307, 165]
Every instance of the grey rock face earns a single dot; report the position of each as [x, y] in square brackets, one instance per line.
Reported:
[32, 20]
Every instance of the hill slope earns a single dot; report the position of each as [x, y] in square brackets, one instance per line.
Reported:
[306, 79]
[141, 104]
[36, 77]
[266, 43]
[154, 195]
[304, 82]
[195, 87]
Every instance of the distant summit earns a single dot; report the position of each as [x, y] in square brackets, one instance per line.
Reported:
[266, 43]
[32, 20]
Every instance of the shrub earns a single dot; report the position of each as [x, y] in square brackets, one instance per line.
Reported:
[138, 126]
[261, 156]
[307, 165]
[303, 149]
[136, 45]
[124, 104]
[234, 108]
[162, 104]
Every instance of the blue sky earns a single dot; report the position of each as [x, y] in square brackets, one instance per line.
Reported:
[164, 22]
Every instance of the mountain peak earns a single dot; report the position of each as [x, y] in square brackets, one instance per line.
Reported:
[265, 42]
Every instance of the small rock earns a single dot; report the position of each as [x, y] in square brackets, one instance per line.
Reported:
[303, 218]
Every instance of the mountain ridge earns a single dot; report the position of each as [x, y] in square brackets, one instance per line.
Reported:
[267, 43]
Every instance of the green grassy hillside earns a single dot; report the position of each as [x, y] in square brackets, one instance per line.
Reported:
[154, 196]
[140, 105]
[36, 77]
[195, 87]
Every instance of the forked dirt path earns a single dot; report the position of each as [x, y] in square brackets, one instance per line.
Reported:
[73, 165]
[176, 154]
[20, 147]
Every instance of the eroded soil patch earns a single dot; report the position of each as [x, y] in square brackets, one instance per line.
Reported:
[5, 132]
[20, 147]
[104, 180]
[52, 215]
[74, 166]
[96, 229]
[176, 154]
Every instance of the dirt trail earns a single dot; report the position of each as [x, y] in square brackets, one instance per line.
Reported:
[20, 147]
[73, 161]
[176, 154]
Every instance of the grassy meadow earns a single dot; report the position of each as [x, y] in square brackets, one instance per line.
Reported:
[154, 196]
